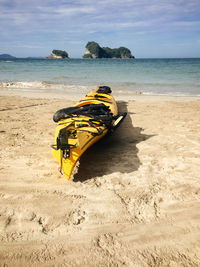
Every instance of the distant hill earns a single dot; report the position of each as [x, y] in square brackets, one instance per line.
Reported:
[94, 50]
[6, 56]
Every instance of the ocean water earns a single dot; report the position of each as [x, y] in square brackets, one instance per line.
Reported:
[151, 76]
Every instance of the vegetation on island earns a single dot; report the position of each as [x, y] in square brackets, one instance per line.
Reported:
[93, 50]
[58, 54]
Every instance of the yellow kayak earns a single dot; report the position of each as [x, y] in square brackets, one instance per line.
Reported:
[82, 125]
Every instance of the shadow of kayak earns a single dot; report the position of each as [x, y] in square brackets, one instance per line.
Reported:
[113, 153]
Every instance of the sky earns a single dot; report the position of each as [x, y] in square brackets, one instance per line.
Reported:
[150, 29]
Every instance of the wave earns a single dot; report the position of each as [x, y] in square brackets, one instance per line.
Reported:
[36, 84]
[118, 88]
[44, 86]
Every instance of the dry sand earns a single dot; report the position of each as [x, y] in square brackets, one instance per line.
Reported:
[134, 202]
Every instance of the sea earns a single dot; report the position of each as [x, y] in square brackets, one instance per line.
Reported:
[176, 77]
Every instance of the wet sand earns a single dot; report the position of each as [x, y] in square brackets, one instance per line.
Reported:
[135, 200]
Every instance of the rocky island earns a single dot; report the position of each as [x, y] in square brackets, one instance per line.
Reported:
[58, 54]
[94, 50]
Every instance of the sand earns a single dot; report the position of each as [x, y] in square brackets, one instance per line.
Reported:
[135, 200]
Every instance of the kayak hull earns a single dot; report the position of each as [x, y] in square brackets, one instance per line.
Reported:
[80, 129]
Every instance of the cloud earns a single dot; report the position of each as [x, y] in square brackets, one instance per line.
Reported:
[17, 45]
[63, 10]
[126, 14]
[77, 43]
[78, 20]
[75, 11]
[186, 23]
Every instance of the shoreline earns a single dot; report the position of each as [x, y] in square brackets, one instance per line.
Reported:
[70, 92]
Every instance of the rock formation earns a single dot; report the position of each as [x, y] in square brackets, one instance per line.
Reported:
[58, 54]
[93, 50]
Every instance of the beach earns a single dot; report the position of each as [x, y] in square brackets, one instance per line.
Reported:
[135, 200]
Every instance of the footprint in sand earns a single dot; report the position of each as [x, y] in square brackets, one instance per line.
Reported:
[76, 217]
[108, 243]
